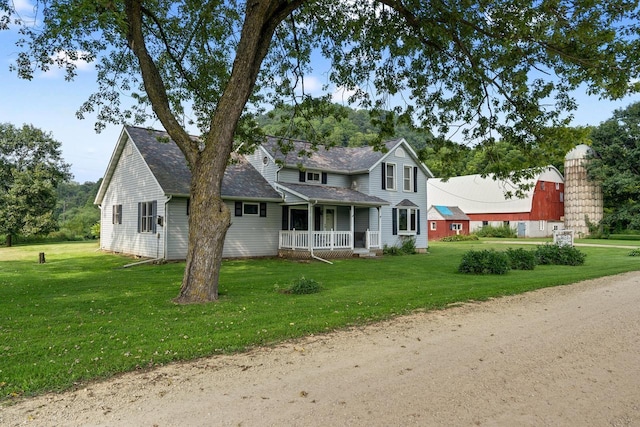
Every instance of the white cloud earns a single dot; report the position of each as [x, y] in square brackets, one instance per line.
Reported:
[341, 95]
[23, 6]
[61, 59]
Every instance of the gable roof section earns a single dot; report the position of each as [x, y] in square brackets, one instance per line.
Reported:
[475, 194]
[452, 213]
[169, 167]
[336, 195]
[346, 160]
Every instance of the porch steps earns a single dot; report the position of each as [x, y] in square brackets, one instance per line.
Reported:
[363, 253]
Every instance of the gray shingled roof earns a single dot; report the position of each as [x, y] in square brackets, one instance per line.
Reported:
[336, 159]
[407, 203]
[338, 195]
[168, 165]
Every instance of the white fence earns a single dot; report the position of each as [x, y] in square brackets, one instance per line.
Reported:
[294, 239]
[372, 239]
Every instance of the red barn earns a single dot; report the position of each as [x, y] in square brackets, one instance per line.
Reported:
[485, 201]
[446, 221]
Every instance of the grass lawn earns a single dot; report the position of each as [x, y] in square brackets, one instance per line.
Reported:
[79, 316]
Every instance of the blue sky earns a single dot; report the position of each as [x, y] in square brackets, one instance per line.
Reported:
[49, 102]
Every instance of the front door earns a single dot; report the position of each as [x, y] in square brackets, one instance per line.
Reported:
[329, 219]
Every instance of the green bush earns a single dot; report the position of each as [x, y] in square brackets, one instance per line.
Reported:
[521, 259]
[459, 238]
[300, 286]
[635, 252]
[390, 250]
[504, 231]
[484, 262]
[550, 254]
[408, 247]
[95, 230]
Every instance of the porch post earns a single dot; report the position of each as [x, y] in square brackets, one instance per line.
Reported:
[352, 225]
[310, 226]
[379, 226]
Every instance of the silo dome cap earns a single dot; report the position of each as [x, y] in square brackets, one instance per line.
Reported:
[579, 152]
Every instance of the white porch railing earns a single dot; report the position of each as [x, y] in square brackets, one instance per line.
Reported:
[294, 239]
[372, 239]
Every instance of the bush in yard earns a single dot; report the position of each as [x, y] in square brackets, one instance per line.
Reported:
[484, 262]
[635, 252]
[459, 238]
[521, 259]
[550, 254]
[301, 286]
[504, 231]
[408, 247]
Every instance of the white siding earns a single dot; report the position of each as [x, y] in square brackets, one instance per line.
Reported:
[177, 223]
[289, 175]
[253, 235]
[396, 196]
[269, 170]
[131, 183]
[248, 236]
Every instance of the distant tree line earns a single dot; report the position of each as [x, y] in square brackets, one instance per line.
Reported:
[37, 198]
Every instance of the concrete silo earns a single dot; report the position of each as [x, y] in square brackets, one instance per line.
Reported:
[583, 197]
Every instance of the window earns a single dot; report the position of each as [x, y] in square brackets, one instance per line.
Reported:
[313, 176]
[407, 178]
[146, 217]
[247, 208]
[116, 214]
[400, 152]
[557, 185]
[541, 224]
[505, 223]
[542, 185]
[485, 223]
[561, 196]
[390, 176]
[456, 226]
[407, 220]
[250, 209]
[433, 225]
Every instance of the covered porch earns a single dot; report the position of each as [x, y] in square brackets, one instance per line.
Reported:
[336, 223]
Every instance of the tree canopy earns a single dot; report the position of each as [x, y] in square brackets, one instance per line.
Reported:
[615, 164]
[488, 68]
[31, 168]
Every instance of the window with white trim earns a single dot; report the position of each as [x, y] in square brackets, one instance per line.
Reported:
[390, 176]
[116, 214]
[433, 225]
[407, 221]
[313, 176]
[456, 226]
[250, 208]
[407, 178]
[146, 217]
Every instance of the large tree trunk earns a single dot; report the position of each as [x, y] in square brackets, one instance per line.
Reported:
[209, 220]
[9, 240]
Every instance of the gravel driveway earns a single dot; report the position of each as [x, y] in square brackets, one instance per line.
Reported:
[564, 356]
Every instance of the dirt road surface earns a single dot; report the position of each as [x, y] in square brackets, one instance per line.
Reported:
[565, 356]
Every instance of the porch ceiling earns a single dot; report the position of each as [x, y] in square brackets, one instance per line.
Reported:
[331, 195]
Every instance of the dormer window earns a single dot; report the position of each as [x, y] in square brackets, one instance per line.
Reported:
[313, 176]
